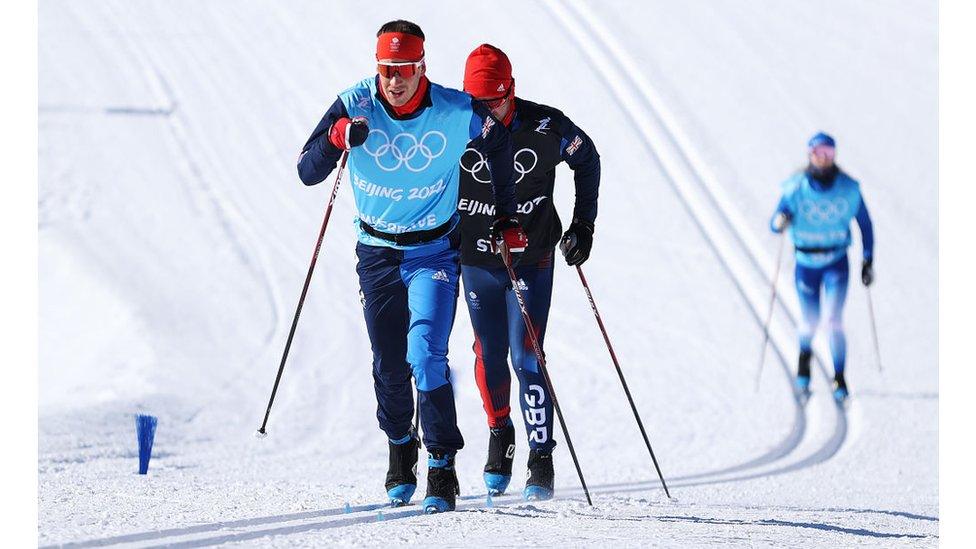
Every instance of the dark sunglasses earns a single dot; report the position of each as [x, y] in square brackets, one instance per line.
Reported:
[404, 70]
[499, 101]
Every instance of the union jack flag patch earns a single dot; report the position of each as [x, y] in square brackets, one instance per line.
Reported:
[486, 127]
[575, 144]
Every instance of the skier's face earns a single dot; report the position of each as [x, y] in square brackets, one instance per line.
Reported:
[822, 157]
[400, 79]
[499, 106]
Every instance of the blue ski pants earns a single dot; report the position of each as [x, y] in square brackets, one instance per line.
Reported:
[409, 301]
[832, 280]
[499, 331]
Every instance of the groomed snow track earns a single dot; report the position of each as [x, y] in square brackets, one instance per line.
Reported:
[733, 244]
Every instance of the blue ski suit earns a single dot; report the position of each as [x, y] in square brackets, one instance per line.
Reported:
[405, 182]
[820, 212]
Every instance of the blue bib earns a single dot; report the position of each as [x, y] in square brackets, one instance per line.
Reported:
[405, 176]
[821, 218]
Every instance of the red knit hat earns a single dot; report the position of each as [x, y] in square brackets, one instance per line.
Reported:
[488, 72]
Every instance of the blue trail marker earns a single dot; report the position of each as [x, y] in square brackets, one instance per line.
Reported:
[145, 432]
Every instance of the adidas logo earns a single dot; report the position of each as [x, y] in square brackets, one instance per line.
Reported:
[501, 87]
[522, 285]
[441, 275]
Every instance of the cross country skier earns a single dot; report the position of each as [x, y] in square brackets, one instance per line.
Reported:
[542, 138]
[405, 136]
[818, 205]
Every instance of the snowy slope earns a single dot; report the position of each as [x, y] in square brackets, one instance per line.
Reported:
[174, 237]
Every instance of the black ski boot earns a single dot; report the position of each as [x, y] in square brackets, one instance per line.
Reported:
[501, 454]
[442, 483]
[803, 374]
[840, 388]
[401, 477]
[538, 485]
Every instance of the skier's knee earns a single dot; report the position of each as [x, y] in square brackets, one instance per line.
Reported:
[836, 326]
[391, 380]
[431, 374]
[806, 338]
[492, 356]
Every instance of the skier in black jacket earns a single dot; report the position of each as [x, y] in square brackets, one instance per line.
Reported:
[542, 138]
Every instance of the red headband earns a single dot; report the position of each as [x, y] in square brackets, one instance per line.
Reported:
[399, 45]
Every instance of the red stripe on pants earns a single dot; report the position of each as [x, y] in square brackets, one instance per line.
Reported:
[495, 401]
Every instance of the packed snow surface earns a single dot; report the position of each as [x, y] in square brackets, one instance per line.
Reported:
[175, 235]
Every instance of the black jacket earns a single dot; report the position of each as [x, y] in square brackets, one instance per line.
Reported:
[542, 138]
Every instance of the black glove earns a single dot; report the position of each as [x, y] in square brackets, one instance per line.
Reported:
[867, 273]
[576, 242]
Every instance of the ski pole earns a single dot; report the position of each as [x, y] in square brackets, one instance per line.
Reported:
[507, 259]
[874, 329]
[620, 373]
[262, 432]
[769, 313]
[416, 418]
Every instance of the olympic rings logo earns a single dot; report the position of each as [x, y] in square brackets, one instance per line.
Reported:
[404, 149]
[474, 163]
[819, 212]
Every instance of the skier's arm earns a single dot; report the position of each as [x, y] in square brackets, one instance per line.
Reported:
[580, 154]
[319, 155]
[491, 138]
[867, 231]
[781, 217]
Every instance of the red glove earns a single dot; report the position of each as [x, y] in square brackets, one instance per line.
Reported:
[508, 231]
[347, 133]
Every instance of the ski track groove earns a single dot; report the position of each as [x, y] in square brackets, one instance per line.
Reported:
[232, 222]
[272, 71]
[309, 521]
[591, 39]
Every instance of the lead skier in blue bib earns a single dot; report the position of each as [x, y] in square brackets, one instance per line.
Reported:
[405, 136]
[818, 205]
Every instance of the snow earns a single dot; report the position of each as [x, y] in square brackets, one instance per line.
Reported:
[174, 237]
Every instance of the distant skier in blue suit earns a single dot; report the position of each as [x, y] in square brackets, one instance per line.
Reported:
[817, 205]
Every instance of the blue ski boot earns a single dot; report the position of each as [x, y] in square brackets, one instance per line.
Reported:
[401, 477]
[802, 384]
[538, 485]
[840, 388]
[442, 483]
[501, 454]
